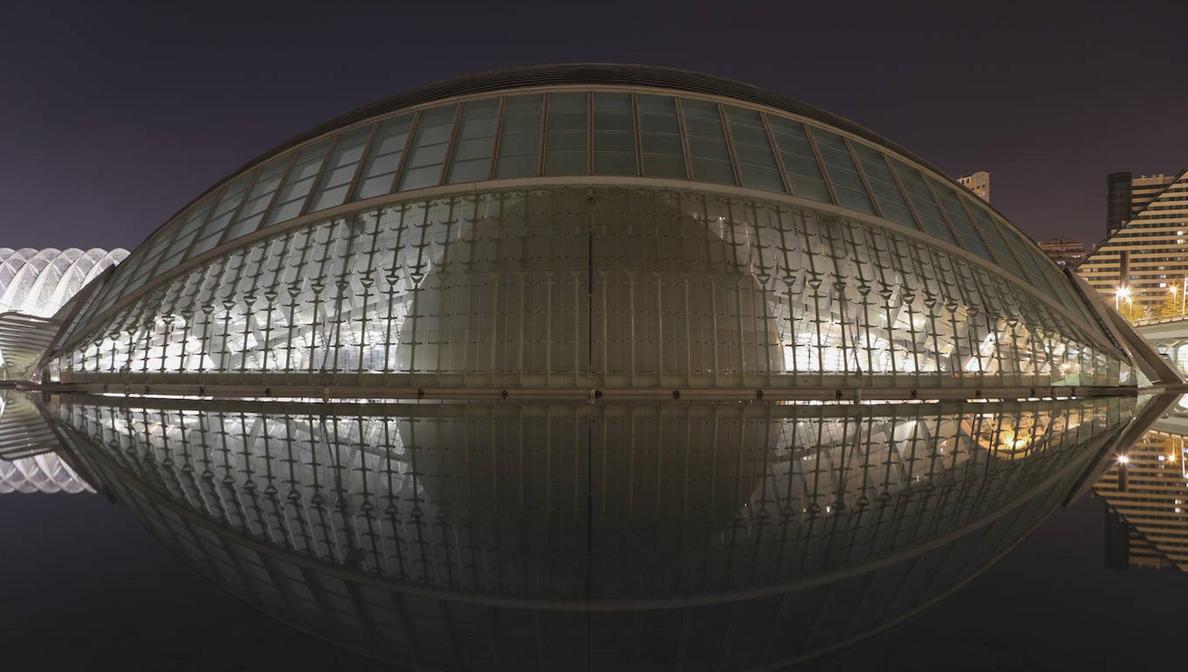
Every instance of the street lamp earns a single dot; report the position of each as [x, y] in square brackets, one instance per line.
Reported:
[1120, 294]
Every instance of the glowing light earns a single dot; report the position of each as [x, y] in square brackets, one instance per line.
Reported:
[1124, 460]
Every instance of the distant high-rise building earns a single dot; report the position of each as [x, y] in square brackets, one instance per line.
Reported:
[1144, 258]
[1117, 201]
[978, 183]
[1127, 195]
[1066, 252]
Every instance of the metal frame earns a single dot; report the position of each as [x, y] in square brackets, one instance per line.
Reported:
[728, 138]
[498, 139]
[611, 181]
[821, 166]
[870, 192]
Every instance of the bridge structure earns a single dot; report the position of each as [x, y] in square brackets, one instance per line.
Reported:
[1169, 336]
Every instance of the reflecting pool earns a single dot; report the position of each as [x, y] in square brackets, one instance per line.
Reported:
[510, 536]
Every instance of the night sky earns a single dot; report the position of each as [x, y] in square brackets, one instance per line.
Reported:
[115, 115]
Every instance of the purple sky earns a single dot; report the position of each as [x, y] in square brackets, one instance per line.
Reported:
[113, 116]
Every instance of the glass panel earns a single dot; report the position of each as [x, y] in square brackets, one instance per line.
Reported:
[660, 137]
[930, 215]
[1033, 264]
[993, 236]
[804, 175]
[221, 216]
[430, 142]
[476, 135]
[340, 170]
[882, 183]
[756, 163]
[298, 183]
[197, 215]
[707, 142]
[174, 255]
[970, 239]
[614, 134]
[150, 255]
[1065, 293]
[846, 183]
[384, 158]
[257, 201]
[565, 146]
[519, 139]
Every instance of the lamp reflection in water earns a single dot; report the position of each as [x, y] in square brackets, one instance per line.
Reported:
[501, 536]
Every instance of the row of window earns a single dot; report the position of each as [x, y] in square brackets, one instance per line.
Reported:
[583, 133]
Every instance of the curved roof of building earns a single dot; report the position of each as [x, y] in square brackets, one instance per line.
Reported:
[577, 74]
[411, 141]
[620, 74]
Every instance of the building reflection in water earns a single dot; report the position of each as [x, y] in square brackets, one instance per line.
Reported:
[28, 461]
[1145, 492]
[610, 242]
[502, 536]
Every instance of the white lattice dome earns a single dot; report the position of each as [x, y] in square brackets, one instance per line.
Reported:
[39, 282]
[40, 473]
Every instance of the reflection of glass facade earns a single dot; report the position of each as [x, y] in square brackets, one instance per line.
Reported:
[554, 229]
[739, 536]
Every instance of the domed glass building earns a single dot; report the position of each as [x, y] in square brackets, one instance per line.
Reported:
[565, 229]
[456, 380]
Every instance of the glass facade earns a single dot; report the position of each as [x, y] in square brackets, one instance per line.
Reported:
[400, 530]
[573, 133]
[611, 287]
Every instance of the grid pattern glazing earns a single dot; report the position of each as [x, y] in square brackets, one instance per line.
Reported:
[688, 290]
[631, 133]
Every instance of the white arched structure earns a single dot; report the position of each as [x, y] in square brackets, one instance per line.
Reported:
[37, 284]
[40, 473]
[27, 461]
[40, 282]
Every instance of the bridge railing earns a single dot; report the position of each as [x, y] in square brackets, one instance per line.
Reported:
[1147, 321]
